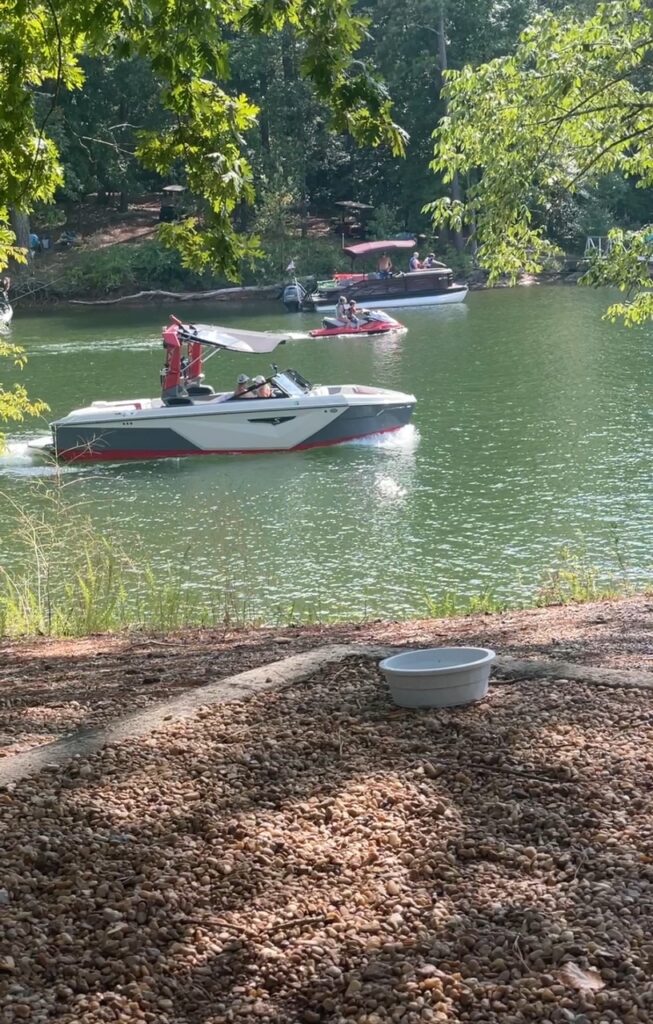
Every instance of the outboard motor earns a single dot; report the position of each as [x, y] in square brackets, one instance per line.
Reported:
[293, 296]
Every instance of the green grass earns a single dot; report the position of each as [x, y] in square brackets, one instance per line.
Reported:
[74, 580]
[451, 605]
[571, 579]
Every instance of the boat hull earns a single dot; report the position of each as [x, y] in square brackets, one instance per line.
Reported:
[257, 429]
[355, 332]
[6, 315]
[401, 301]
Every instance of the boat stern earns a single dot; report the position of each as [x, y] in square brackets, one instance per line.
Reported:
[367, 411]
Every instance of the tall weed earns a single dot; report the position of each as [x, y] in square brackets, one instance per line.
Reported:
[73, 579]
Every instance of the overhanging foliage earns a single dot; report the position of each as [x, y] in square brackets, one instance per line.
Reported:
[571, 105]
[187, 46]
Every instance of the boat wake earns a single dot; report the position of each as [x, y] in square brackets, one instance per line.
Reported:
[405, 439]
[388, 488]
[17, 460]
[297, 336]
[99, 345]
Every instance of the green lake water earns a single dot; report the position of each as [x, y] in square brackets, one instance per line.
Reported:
[533, 429]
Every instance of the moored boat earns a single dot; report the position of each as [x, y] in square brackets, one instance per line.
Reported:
[283, 412]
[429, 286]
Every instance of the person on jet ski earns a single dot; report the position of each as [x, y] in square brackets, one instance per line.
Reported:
[352, 313]
[5, 285]
[341, 309]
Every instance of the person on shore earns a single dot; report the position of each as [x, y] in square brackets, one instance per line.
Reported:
[385, 266]
[415, 262]
[5, 285]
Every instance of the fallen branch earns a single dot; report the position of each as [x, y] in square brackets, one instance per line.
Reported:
[497, 769]
[296, 922]
[218, 922]
[265, 291]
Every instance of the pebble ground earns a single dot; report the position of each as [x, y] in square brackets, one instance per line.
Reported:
[316, 855]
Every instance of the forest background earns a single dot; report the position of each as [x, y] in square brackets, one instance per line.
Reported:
[302, 166]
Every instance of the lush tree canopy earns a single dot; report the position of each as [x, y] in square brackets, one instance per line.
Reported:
[265, 101]
[187, 45]
[572, 105]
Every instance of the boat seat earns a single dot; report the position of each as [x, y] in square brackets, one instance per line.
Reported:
[177, 400]
[200, 390]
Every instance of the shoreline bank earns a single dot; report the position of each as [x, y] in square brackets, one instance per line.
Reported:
[252, 294]
[53, 686]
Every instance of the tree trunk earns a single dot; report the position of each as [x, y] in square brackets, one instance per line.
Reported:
[302, 145]
[20, 227]
[456, 191]
[124, 202]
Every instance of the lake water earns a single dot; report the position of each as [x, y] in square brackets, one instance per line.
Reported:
[533, 429]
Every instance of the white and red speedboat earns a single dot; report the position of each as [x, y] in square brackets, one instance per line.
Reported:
[190, 418]
[369, 321]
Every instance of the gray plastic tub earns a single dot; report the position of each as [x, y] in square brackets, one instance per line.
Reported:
[438, 677]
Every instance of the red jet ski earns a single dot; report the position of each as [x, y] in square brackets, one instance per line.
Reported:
[370, 321]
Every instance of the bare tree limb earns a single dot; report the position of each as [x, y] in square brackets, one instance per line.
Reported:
[250, 291]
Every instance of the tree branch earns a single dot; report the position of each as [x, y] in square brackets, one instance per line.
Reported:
[613, 145]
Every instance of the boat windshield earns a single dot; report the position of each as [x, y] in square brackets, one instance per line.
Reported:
[292, 382]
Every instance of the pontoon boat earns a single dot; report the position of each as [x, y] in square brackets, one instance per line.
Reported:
[431, 286]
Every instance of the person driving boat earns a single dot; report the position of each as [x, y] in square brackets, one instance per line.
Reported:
[242, 384]
[385, 266]
[430, 263]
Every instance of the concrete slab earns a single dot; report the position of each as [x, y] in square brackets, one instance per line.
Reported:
[278, 675]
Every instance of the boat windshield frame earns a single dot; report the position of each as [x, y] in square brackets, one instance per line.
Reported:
[292, 383]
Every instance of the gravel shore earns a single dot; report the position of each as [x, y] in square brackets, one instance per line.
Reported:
[315, 854]
[50, 688]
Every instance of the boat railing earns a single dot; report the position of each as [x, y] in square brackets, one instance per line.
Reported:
[342, 280]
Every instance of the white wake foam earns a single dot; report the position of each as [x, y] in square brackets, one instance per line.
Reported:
[404, 439]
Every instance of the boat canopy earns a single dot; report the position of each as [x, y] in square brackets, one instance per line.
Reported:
[230, 339]
[369, 248]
